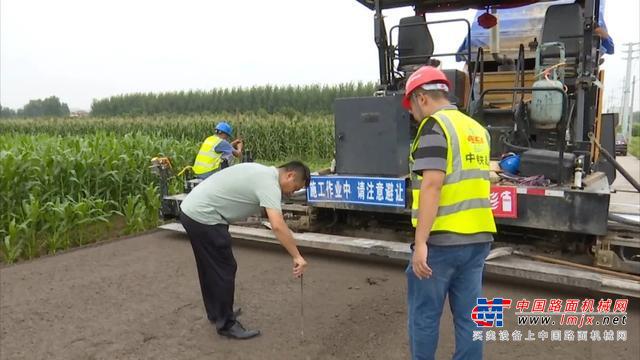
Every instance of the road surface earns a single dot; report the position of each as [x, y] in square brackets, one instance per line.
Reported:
[138, 298]
[625, 198]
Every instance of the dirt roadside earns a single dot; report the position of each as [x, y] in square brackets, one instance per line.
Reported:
[138, 298]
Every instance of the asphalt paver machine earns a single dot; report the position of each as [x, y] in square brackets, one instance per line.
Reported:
[529, 72]
[539, 95]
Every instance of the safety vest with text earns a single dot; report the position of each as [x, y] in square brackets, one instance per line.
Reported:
[464, 206]
[208, 159]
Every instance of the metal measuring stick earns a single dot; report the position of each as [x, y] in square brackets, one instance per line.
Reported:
[301, 307]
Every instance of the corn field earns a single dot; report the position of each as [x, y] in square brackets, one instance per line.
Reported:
[270, 99]
[68, 182]
[270, 137]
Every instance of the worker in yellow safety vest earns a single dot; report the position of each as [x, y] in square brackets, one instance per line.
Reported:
[216, 151]
[451, 213]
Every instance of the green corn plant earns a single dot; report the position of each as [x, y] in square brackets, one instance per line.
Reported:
[152, 205]
[69, 220]
[82, 212]
[57, 228]
[54, 241]
[134, 214]
[32, 211]
[11, 246]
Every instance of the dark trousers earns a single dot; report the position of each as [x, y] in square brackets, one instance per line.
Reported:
[216, 268]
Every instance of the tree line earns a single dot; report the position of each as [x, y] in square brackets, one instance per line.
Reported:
[272, 99]
[49, 107]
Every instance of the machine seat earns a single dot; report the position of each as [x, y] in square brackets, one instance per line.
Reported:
[563, 23]
[415, 44]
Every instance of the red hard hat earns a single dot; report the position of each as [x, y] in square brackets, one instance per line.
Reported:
[426, 75]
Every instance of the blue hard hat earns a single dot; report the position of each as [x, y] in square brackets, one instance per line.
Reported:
[510, 163]
[224, 127]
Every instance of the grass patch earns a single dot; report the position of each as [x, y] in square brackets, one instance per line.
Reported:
[634, 146]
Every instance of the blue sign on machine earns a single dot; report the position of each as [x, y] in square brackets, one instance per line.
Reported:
[357, 190]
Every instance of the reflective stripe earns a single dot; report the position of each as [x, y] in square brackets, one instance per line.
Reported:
[453, 178]
[464, 205]
[211, 154]
[461, 206]
[453, 139]
[199, 163]
[466, 175]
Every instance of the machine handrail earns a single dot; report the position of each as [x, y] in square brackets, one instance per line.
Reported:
[468, 52]
[472, 78]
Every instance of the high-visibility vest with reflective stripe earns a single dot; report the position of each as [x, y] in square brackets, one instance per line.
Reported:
[208, 159]
[464, 199]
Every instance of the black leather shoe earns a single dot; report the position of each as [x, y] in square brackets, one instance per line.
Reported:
[237, 331]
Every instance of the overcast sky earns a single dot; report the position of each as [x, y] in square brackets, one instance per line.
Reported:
[79, 50]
